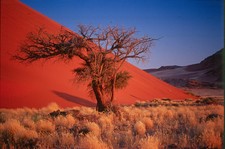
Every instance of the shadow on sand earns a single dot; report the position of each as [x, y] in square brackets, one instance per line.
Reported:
[75, 99]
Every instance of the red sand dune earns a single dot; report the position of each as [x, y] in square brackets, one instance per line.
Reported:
[39, 84]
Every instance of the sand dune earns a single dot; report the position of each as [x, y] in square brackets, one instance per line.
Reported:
[41, 83]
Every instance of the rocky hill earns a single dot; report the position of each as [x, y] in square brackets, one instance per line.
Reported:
[206, 74]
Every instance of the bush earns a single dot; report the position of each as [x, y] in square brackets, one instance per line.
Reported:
[150, 142]
[207, 101]
[45, 126]
[92, 142]
[139, 128]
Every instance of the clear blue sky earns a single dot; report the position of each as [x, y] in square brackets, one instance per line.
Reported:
[191, 29]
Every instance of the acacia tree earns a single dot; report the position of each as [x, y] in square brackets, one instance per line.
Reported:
[103, 51]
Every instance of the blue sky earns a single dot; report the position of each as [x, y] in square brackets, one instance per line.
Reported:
[191, 30]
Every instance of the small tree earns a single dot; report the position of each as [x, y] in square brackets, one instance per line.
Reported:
[102, 51]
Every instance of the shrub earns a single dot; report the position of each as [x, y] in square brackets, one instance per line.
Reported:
[105, 122]
[26, 138]
[14, 134]
[151, 142]
[28, 123]
[148, 123]
[50, 140]
[207, 101]
[45, 126]
[50, 108]
[92, 142]
[166, 99]
[93, 128]
[67, 121]
[139, 128]
[66, 140]
[211, 139]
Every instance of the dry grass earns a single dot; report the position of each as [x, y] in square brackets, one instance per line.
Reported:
[158, 124]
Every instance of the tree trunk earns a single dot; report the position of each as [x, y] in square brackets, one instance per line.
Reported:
[113, 88]
[101, 106]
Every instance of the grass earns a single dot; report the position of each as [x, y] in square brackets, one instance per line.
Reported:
[156, 124]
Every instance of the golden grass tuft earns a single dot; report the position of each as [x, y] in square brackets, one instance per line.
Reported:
[66, 140]
[151, 142]
[137, 126]
[93, 128]
[92, 142]
[149, 124]
[45, 126]
[65, 121]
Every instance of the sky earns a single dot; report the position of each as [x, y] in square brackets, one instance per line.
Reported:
[188, 30]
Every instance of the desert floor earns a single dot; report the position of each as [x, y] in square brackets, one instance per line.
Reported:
[161, 123]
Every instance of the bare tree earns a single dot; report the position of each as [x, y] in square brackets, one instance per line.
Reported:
[103, 51]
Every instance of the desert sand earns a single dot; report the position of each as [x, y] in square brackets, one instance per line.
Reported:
[40, 83]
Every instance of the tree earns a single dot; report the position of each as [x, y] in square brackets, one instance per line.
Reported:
[103, 51]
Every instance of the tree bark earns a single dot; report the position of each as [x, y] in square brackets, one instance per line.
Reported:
[113, 88]
[101, 105]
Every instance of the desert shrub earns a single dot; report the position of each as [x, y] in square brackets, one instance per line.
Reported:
[170, 114]
[45, 126]
[135, 114]
[166, 99]
[66, 140]
[123, 139]
[188, 100]
[50, 140]
[36, 117]
[14, 134]
[211, 139]
[93, 128]
[9, 129]
[148, 123]
[183, 141]
[2, 117]
[92, 142]
[26, 138]
[150, 142]
[50, 108]
[65, 121]
[58, 113]
[160, 126]
[141, 104]
[212, 117]
[139, 128]
[88, 111]
[207, 101]
[2, 140]
[28, 123]
[106, 124]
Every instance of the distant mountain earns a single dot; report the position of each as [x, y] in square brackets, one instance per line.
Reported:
[206, 74]
[162, 68]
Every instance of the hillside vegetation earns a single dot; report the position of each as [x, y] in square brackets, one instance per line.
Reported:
[156, 124]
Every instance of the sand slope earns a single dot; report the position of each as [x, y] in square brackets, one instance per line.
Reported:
[38, 84]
